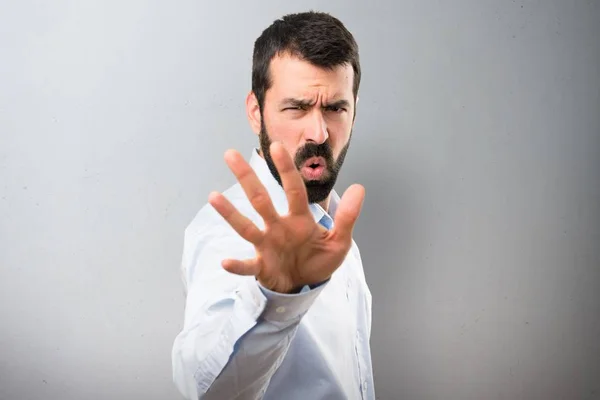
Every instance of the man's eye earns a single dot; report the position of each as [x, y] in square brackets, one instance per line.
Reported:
[335, 109]
[293, 108]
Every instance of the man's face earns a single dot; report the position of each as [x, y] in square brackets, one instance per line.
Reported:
[309, 110]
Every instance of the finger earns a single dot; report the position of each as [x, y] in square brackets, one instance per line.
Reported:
[254, 189]
[348, 211]
[242, 225]
[242, 267]
[293, 184]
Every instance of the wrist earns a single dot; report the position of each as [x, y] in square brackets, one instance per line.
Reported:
[282, 289]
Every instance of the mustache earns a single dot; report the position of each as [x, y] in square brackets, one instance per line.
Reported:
[314, 150]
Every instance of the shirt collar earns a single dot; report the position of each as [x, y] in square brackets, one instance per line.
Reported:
[278, 194]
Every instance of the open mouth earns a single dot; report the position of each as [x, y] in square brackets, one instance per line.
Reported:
[314, 162]
[313, 168]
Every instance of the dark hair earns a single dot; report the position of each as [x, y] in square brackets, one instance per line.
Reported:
[316, 37]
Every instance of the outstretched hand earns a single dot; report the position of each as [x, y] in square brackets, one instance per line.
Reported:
[293, 250]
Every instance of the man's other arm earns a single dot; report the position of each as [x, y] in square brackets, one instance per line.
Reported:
[236, 333]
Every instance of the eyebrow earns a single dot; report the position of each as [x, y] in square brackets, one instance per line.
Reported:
[307, 103]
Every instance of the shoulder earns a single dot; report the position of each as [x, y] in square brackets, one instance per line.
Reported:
[208, 221]
[209, 238]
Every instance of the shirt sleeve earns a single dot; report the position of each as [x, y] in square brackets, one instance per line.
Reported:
[235, 332]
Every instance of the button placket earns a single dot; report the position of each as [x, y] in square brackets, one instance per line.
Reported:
[358, 361]
[348, 288]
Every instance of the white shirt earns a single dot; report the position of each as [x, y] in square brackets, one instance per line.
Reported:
[243, 341]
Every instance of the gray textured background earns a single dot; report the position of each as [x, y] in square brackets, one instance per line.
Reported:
[477, 139]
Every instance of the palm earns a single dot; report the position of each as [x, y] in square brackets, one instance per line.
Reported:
[298, 245]
[293, 250]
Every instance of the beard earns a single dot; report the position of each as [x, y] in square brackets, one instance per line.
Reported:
[317, 190]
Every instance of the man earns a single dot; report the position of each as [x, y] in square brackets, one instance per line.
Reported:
[277, 304]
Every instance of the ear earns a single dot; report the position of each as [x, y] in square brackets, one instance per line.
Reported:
[355, 106]
[253, 112]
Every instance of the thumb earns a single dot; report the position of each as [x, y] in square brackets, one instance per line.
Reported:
[348, 211]
[242, 267]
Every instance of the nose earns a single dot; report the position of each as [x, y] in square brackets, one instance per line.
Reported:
[316, 131]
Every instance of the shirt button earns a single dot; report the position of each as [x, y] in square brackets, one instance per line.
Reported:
[365, 385]
[280, 310]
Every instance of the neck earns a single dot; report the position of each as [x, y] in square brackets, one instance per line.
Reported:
[325, 204]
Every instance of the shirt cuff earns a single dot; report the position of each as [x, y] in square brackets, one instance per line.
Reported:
[282, 307]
